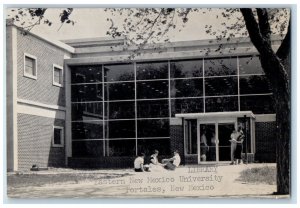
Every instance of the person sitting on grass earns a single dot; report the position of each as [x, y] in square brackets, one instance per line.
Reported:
[172, 163]
[154, 164]
[139, 163]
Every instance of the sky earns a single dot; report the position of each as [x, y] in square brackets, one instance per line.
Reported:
[91, 22]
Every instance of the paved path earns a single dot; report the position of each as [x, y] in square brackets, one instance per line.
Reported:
[198, 181]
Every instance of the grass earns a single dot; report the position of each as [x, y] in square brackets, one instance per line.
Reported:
[265, 175]
[24, 180]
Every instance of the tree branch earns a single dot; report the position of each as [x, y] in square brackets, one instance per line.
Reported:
[264, 26]
[254, 31]
[285, 46]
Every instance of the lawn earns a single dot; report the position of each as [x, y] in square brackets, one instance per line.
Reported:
[259, 175]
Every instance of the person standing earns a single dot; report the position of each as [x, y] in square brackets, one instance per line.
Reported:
[239, 146]
[203, 146]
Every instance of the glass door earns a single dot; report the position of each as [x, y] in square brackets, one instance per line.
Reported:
[208, 142]
[224, 132]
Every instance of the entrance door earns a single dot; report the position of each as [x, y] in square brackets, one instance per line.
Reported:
[224, 132]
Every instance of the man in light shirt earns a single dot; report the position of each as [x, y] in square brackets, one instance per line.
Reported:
[172, 163]
[139, 163]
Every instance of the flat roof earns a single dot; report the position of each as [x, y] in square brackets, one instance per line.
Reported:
[233, 114]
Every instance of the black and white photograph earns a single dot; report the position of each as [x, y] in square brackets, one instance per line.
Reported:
[148, 102]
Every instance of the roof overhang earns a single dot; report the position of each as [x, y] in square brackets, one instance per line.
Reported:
[216, 115]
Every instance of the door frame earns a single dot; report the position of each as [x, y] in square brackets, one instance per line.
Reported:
[216, 122]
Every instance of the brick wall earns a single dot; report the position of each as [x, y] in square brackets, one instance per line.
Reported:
[42, 89]
[176, 140]
[34, 142]
[265, 137]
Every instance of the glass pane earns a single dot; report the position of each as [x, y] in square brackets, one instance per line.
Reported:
[124, 147]
[86, 74]
[152, 89]
[225, 131]
[119, 91]
[87, 148]
[220, 104]
[187, 88]
[148, 146]
[221, 86]
[87, 111]
[120, 110]
[257, 104]
[220, 66]
[119, 72]
[189, 68]
[245, 124]
[191, 136]
[155, 70]
[87, 130]
[120, 129]
[254, 85]
[194, 105]
[153, 128]
[57, 75]
[29, 62]
[207, 142]
[86, 92]
[153, 108]
[57, 136]
[250, 65]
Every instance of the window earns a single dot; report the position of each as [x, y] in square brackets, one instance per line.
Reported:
[58, 136]
[57, 75]
[30, 69]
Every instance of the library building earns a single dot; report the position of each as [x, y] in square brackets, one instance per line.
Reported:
[98, 103]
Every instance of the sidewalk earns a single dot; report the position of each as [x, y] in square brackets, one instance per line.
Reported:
[191, 181]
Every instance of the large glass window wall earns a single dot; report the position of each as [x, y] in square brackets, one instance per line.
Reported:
[122, 109]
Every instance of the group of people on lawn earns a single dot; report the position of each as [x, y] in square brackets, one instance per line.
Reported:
[148, 164]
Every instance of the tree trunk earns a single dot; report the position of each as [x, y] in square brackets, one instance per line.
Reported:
[281, 95]
[278, 75]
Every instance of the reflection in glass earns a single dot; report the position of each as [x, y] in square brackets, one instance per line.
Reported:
[154, 70]
[120, 110]
[120, 129]
[119, 91]
[124, 147]
[191, 136]
[86, 74]
[87, 130]
[254, 85]
[220, 66]
[152, 89]
[246, 128]
[153, 128]
[194, 105]
[221, 86]
[87, 148]
[87, 111]
[221, 104]
[118, 72]
[147, 146]
[224, 132]
[153, 109]
[189, 68]
[257, 104]
[250, 65]
[86, 92]
[187, 88]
